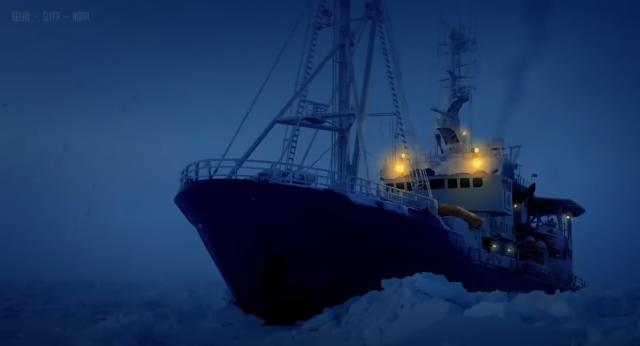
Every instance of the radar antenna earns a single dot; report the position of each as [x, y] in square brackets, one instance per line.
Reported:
[455, 50]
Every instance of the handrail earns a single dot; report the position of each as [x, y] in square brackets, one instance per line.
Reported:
[522, 181]
[299, 175]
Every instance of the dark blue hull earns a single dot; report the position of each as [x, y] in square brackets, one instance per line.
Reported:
[286, 252]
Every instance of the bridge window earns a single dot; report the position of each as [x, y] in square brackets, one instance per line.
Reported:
[452, 183]
[506, 185]
[409, 186]
[465, 183]
[477, 182]
[400, 186]
[437, 184]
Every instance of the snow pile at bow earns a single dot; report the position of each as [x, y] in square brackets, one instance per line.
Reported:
[422, 310]
[425, 309]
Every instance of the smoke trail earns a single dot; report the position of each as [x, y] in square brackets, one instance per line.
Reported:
[535, 14]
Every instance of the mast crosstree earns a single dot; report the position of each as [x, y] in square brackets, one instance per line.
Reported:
[352, 102]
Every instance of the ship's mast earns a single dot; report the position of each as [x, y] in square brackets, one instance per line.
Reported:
[351, 109]
[344, 93]
[455, 49]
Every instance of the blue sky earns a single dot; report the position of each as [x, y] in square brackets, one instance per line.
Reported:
[104, 114]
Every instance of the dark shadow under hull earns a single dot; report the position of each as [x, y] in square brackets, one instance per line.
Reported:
[286, 252]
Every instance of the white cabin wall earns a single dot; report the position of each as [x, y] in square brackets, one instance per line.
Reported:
[498, 226]
[472, 238]
[491, 196]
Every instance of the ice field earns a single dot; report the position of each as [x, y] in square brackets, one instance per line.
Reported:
[420, 310]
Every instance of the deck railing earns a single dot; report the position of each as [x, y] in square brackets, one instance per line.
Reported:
[522, 181]
[297, 175]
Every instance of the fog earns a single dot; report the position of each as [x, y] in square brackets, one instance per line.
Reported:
[98, 118]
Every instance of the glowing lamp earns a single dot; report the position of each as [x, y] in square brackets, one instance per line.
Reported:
[399, 168]
[464, 133]
[403, 155]
[475, 150]
[568, 217]
[476, 163]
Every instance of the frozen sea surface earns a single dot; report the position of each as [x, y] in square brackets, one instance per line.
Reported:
[423, 309]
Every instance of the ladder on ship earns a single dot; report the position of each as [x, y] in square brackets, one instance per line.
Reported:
[416, 176]
[291, 142]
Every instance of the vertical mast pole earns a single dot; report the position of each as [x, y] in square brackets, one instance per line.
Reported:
[361, 109]
[344, 92]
